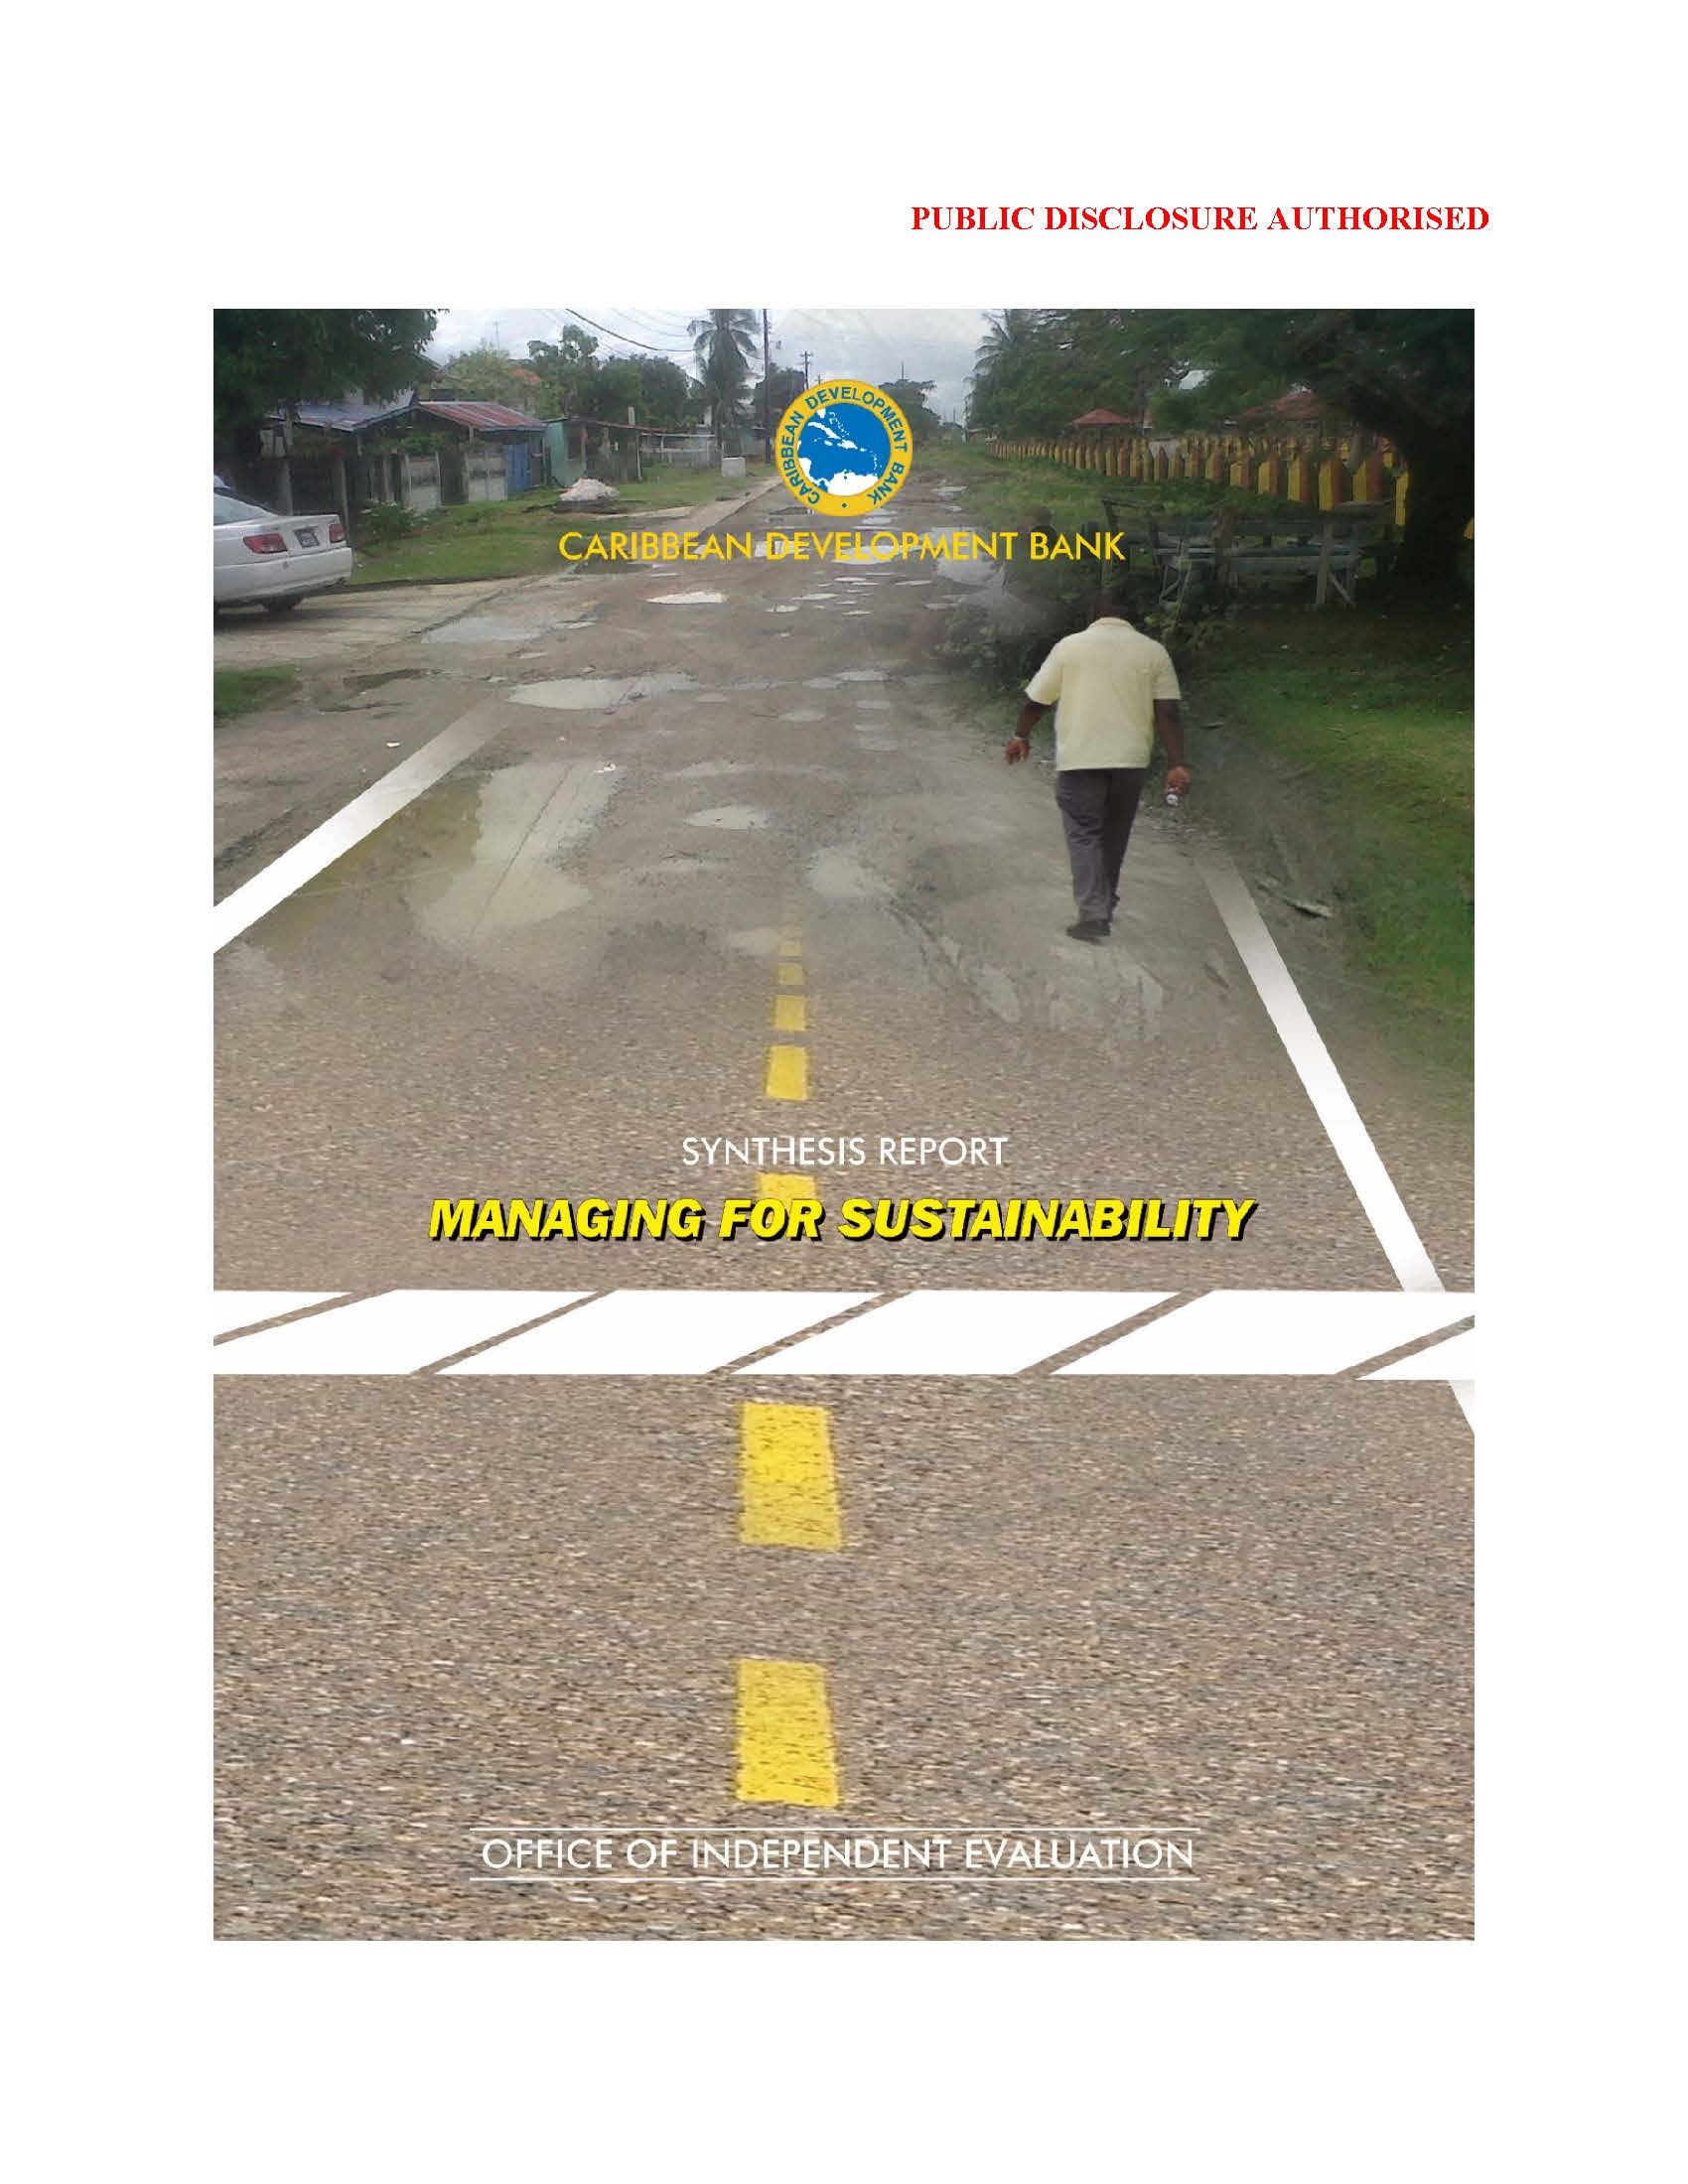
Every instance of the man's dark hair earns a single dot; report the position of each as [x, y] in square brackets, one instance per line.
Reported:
[1110, 602]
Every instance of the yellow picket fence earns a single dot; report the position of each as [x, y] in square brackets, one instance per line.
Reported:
[1316, 476]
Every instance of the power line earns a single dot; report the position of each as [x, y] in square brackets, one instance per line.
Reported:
[652, 321]
[653, 347]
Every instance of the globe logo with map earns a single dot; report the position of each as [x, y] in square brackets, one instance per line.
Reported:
[843, 447]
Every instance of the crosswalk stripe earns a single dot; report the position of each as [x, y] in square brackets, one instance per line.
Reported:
[645, 1331]
[930, 1331]
[399, 1333]
[1455, 1359]
[962, 1331]
[246, 1308]
[1277, 1331]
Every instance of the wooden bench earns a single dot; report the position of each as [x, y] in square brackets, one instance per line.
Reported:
[1327, 544]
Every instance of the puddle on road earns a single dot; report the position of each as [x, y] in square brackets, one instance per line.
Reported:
[478, 630]
[985, 569]
[802, 717]
[841, 878]
[528, 820]
[756, 940]
[714, 769]
[473, 860]
[872, 705]
[731, 818]
[687, 598]
[598, 693]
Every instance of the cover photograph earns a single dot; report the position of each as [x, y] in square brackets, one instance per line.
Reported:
[844, 1290]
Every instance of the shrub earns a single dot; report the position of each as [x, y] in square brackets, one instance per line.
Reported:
[383, 523]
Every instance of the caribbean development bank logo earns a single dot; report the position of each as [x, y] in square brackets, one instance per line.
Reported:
[843, 447]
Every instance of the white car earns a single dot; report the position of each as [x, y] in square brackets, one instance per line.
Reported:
[272, 561]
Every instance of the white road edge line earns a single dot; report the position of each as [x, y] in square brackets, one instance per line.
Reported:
[371, 808]
[1350, 1141]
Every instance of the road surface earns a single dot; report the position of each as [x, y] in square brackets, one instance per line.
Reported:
[693, 817]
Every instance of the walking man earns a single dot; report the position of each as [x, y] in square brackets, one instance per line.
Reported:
[1115, 691]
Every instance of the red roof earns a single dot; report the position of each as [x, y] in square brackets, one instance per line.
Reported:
[484, 416]
[1296, 407]
[1103, 417]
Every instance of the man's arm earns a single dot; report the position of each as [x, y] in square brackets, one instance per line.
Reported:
[1020, 742]
[1168, 727]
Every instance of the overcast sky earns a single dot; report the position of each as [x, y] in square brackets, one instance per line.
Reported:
[870, 345]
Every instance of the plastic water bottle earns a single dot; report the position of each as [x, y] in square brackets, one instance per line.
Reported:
[1173, 799]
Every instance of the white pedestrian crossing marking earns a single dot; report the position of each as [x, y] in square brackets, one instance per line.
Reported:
[938, 1332]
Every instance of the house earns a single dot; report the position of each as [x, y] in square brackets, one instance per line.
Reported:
[348, 453]
[498, 451]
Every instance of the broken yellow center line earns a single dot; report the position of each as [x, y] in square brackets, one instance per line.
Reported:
[789, 973]
[790, 1013]
[788, 1075]
[788, 1188]
[786, 1749]
[787, 1486]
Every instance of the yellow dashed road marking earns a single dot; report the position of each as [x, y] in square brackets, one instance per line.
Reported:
[788, 1073]
[790, 949]
[790, 1013]
[785, 1753]
[787, 1188]
[789, 973]
[787, 1487]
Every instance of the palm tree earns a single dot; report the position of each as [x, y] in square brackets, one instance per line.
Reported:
[723, 342]
[1006, 331]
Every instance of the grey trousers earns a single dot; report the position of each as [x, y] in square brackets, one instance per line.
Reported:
[1097, 807]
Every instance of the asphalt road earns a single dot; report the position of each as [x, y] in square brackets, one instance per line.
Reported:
[1237, 1609]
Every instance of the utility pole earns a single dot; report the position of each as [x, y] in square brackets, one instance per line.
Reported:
[805, 370]
[767, 399]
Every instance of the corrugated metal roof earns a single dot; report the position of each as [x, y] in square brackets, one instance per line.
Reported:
[484, 416]
[352, 416]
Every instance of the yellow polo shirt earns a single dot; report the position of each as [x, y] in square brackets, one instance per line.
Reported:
[1103, 682]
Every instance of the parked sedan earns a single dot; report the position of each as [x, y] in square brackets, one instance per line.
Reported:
[273, 561]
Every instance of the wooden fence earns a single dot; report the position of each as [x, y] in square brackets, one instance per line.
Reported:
[1316, 476]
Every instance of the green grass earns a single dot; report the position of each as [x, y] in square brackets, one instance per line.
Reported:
[1002, 494]
[1367, 717]
[486, 539]
[1359, 722]
[237, 690]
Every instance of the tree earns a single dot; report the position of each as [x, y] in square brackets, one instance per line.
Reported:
[1406, 374]
[910, 395]
[784, 384]
[486, 373]
[265, 360]
[1410, 375]
[723, 342]
[565, 367]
